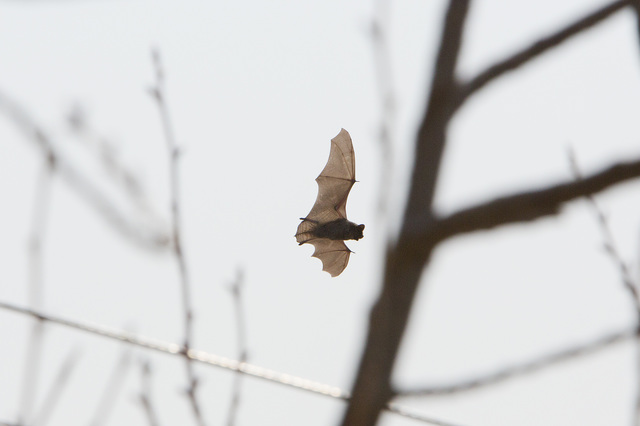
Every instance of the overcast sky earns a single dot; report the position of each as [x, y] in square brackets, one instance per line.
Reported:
[256, 89]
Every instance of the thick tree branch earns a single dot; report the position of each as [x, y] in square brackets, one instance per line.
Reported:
[527, 206]
[403, 268]
[539, 47]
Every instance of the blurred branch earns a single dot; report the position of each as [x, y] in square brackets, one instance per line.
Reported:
[539, 47]
[112, 389]
[145, 395]
[158, 93]
[135, 231]
[57, 388]
[384, 79]
[520, 369]
[528, 206]
[611, 249]
[106, 152]
[403, 267]
[236, 291]
[206, 358]
[33, 355]
[421, 231]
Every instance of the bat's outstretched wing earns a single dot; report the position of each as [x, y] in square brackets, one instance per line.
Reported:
[326, 225]
[334, 255]
[335, 181]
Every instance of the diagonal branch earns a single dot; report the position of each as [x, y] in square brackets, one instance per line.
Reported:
[539, 47]
[206, 358]
[139, 231]
[522, 369]
[528, 206]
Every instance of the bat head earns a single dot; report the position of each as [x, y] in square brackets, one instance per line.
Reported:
[357, 232]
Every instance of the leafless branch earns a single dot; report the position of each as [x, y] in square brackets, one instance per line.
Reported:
[57, 388]
[539, 47]
[206, 358]
[145, 395]
[403, 268]
[159, 94]
[236, 291]
[530, 205]
[421, 231]
[521, 369]
[138, 231]
[106, 152]
[112, 389]
[37, 236]
[384, 79]
[629, 283]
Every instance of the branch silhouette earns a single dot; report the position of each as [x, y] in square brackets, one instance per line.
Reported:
[421, 231]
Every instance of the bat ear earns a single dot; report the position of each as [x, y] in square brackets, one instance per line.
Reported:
[359, 233]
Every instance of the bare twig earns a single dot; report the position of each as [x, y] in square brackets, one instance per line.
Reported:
[539, 47]
[37, 236]
[138, 231]
[57, 388]
[206, 358]
[384, 78]
[521, 369]
[158, 93]
[629, 283]
[106, 152]
[145, 395]
[112, 389]
[236, 291]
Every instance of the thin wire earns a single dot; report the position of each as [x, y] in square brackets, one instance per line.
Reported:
[213, 360]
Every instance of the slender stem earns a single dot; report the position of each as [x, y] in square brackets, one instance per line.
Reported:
[185, 287]
[520, 369]
[236, 291]
[33, 357]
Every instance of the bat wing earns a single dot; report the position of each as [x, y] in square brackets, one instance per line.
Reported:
[334, 255]
[335, 181]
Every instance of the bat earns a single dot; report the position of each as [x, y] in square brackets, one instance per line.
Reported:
[326, 226]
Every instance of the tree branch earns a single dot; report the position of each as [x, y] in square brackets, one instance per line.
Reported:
[159, 95]
[538, 48]
[521, 369]
[403, 268]
[528, 206]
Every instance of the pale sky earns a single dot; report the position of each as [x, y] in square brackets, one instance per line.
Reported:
[256, 89]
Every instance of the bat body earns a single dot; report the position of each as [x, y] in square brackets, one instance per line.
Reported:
[326, 226]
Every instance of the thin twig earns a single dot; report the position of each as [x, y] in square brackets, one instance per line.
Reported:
[142, 232]
[538, 48]
[236, 291]
[57, 388]
[145, 395]
[159, 94]
[384, 80]
[112, 389]
[106, 152]
[206, 358]
[33, 356]
[611, 249]
[520, 369]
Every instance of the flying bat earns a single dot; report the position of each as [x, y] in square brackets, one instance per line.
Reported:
[326, 226]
